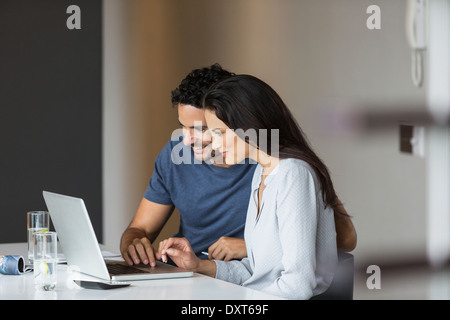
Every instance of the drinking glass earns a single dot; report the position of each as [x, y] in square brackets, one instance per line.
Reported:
[45, 258]
[37, 221]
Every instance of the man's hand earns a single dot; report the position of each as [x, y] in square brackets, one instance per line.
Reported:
[136, 249]
[227, 249]
[135, 245]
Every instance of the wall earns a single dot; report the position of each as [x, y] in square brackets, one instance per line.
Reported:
[318, 55]
[137, 117]
[438, 161]
[50, 109]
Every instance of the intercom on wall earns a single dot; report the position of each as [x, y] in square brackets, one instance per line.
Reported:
[416, 32]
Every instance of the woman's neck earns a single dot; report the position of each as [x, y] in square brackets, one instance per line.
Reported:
[266, 161]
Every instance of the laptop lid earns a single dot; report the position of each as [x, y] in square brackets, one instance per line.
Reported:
[80, 246]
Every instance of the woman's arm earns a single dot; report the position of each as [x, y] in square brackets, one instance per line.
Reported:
[180, 251]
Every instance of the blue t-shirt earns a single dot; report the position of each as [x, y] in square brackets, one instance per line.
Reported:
[212, 200]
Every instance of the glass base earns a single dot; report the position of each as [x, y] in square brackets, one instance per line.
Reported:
[46, 287]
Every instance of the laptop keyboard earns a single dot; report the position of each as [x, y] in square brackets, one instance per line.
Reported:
[116, 269]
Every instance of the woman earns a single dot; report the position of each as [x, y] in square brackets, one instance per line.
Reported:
[289, 232]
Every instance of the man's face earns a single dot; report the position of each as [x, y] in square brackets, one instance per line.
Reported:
[195, 131]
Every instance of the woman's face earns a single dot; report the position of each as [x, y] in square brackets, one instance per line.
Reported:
[233, 149]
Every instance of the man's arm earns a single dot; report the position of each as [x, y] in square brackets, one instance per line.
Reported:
[136, 242]
[345, 231]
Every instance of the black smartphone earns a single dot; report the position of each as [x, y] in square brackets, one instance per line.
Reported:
[101, 285]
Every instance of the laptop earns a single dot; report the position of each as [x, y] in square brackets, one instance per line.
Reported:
[82, 251]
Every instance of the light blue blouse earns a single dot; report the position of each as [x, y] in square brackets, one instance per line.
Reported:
[291, 244]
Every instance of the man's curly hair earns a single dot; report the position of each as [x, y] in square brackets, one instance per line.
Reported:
[192, 89]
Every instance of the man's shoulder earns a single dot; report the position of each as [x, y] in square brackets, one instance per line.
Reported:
[175, 144]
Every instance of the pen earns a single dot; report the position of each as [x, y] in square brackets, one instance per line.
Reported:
[205, 253]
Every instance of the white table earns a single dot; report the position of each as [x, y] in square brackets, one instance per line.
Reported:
[198, 287]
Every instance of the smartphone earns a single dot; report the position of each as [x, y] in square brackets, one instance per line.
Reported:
[101, 285]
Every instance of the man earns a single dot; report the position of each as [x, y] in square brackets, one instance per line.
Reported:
[212, 198]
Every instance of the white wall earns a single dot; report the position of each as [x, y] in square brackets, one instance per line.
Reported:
[138, 117]
[438, 164]
[116, 160]
[318, 55]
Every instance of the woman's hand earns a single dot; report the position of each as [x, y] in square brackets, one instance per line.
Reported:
[180, 251]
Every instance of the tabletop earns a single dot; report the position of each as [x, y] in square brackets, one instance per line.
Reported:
[197, 287]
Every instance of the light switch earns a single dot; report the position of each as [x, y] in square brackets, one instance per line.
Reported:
[412, 140]
[406, 134]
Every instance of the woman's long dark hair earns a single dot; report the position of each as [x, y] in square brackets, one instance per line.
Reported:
[246, 102]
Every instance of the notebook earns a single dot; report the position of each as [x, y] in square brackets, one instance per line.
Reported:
[82, 251]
